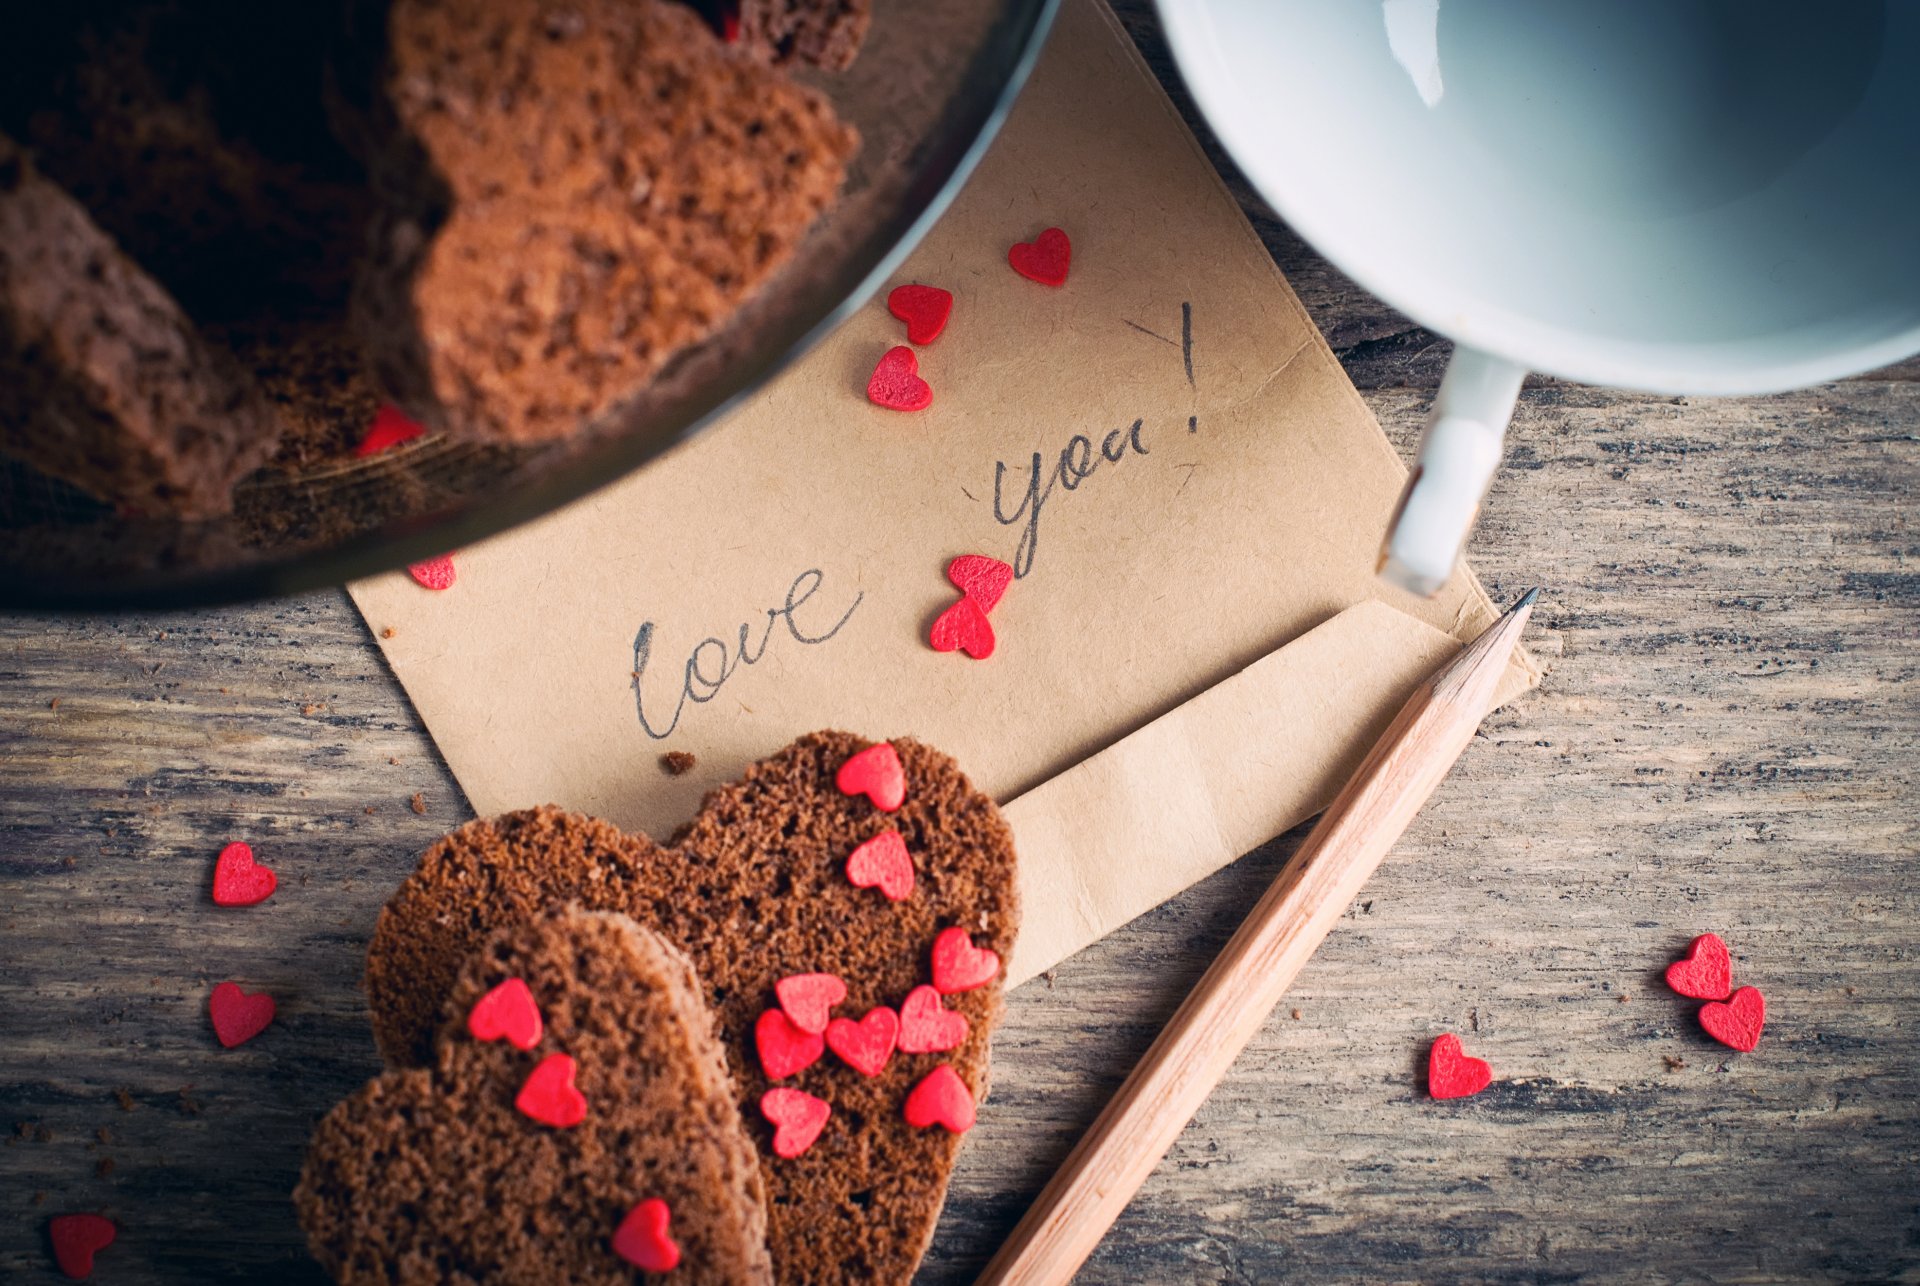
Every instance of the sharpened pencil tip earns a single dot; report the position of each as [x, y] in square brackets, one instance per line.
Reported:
[1526, 599]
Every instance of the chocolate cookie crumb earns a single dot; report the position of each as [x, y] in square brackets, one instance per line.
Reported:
[418, 803]
[677, 763]
[124, 1098]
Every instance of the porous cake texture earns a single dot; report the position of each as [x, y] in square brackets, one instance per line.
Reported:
[431, 1174]
[569, 195]
[754, 890]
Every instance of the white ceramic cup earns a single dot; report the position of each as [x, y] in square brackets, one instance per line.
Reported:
[1679, 196]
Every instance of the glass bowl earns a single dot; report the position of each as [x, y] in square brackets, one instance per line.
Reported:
[927, 93]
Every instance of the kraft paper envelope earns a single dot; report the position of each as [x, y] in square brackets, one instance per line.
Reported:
[1164, 448]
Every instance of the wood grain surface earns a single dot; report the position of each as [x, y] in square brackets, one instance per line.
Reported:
[1728, 740]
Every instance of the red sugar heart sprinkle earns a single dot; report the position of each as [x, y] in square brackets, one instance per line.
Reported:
[784, 1048]
[958, 965]
[1451, 1074]
[642, 1240]
[896, 383]
[980, 578]
[941, 1098]
[1736, 1023]
[883, 863]
[797, 1118]
[865, 1046]
[876, 773]
[75, 1239]
[809, 998]
[549, 1096]
[508, 1010]
[1707, 971]
[1045, 259]
[238, 880]
[389, 429]
[927, 1026]
[435, 573]
[237, 1016]
[924, 309]
[963, 627]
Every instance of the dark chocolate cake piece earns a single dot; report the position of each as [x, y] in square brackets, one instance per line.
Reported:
[104, 381]
[816, 33]
[195, 135]
[571, 194]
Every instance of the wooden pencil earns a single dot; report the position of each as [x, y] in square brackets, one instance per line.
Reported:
[1239, 991]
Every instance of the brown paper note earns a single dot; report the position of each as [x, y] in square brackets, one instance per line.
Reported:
[1164, 447]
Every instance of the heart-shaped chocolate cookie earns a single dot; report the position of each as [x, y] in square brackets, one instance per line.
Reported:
[434, 1174]
[755, 889]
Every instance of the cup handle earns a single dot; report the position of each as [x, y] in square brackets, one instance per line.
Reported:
[1459, 453]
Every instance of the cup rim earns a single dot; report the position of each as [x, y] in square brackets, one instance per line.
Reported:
[1478, 323]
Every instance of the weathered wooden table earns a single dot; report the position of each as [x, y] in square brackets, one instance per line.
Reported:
[1728, 740]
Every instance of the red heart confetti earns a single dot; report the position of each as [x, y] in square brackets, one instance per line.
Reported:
[809, 998]
[1736, 1023]
[883, 863]
[941, 1098]
[927, 1026]
[240, 881]
[958, 965]
[435, 573]
[389, 429]
[508, 1010]
[549, 1096]
[1451, 1074]
[980, 578]
[237, 1016]
[876, 773]
[896, 383]
[76, 1238]
[784, 1048]
[797, 1118]
[642, 1240]
[963, 627]
[1707, 971]
[1045, 259]
[865, 1046]
[924, 309]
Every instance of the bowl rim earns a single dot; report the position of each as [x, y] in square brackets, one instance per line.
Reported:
[1009, 54]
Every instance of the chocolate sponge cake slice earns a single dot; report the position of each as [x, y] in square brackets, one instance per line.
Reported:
[103, 379]
[569, 195]
[433, 1174]
[818, 33]
[755, 890]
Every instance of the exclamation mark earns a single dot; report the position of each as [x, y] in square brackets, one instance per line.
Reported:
[1186, 355]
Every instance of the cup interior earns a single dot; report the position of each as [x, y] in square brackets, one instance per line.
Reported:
[1682, 195]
